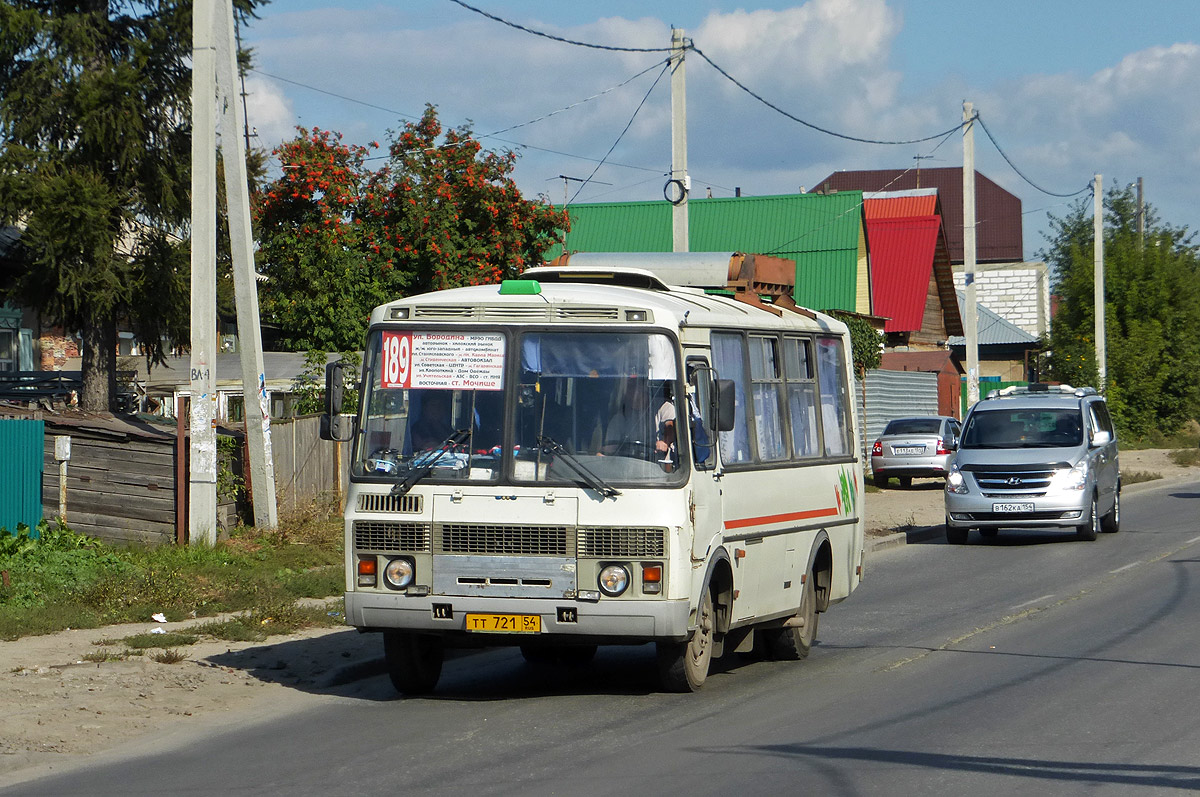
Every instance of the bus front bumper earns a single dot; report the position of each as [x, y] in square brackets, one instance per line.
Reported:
[612, 620]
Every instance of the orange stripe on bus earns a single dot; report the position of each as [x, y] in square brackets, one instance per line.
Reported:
[768, 519]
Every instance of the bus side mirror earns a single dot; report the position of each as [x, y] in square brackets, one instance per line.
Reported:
[725, 405]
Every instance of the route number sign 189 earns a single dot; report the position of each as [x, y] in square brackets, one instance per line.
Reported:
[445, 361]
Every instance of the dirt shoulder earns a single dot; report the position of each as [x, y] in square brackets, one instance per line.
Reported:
[60, 708]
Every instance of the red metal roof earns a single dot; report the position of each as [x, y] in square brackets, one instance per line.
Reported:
[891, 204]
[997, 212]
[902, 253]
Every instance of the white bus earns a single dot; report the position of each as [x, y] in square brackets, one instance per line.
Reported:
[601, 454]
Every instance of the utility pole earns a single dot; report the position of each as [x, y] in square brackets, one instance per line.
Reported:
[1098, 254]
[679, 173]
[971, 322]
[202, 477]
[237, 194]
[214, 64]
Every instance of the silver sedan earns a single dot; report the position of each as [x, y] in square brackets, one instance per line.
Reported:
[914, 447]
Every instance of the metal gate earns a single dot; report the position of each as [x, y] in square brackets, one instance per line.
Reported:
[21, 446]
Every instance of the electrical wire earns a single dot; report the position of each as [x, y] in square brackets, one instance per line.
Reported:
[666, 66]
[807, 124]
[552, 37]
[1021, 174]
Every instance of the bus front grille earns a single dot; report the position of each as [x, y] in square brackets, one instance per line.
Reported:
[622, 541]
[481, 538]
[383, 535]
[384, 502]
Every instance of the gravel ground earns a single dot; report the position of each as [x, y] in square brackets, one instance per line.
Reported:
[60, 708]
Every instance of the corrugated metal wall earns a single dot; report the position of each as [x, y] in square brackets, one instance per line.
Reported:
[21, 472]
[895, 394]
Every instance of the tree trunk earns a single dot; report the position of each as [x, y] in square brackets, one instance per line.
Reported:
[99, 365]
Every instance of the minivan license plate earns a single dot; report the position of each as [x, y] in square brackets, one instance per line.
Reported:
[1024, 507]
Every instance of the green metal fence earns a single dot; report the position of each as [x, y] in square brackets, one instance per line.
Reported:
[21, 446]
[985, 388]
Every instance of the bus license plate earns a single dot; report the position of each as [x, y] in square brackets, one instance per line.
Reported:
[505, 623]
[1025, 507]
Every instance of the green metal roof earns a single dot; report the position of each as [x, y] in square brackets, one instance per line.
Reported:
[821, 232]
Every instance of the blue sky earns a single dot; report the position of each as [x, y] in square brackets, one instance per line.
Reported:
[1068, 89]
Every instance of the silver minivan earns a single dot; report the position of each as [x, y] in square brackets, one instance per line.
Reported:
[1032, 457]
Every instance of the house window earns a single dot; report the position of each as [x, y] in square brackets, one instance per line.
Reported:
[9, 352]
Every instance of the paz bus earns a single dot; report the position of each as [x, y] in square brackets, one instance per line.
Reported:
[614, 449]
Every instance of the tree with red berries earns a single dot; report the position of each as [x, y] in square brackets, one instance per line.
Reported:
[338, 238]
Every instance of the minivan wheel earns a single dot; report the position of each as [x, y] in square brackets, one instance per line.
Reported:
[1087, 531]
[955, 536]
[1111, 523]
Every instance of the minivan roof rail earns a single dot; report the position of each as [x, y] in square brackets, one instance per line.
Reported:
[1041, 387]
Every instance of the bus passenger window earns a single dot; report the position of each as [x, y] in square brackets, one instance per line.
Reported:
[729, 360]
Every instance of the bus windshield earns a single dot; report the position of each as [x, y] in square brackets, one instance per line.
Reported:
[547, 407]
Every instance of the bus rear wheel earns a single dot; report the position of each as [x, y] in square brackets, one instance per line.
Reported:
[414, 661]
[792, 643]
[683, 666]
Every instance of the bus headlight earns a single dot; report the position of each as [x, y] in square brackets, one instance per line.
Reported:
[399, 573]
[613, 580]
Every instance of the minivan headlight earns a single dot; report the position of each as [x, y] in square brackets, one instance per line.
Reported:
[956, 483]
[1075, 478]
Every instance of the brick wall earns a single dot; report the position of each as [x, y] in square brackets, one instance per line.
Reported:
[1017, 292]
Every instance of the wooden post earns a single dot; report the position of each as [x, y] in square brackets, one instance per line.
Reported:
[181, 471]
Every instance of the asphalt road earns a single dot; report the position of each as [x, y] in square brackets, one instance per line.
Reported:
[1030, 665]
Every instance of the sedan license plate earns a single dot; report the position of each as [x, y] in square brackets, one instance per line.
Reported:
[505, 623]
[908, 451]
[1022, 507]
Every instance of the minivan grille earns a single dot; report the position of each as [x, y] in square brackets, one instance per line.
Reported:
[480, 538]
[384, 535]
[622, 542]
[1012, 481]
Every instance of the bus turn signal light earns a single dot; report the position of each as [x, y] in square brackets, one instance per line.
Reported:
[652, 579]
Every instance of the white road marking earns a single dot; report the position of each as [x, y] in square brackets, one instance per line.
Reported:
[1030, 603]
[1126, 567]
[1193, 539]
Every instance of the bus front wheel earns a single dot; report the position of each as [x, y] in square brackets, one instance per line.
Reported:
[414, 661]
[683, 666]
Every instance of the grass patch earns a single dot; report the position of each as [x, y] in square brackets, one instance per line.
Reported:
[66, 580]
[144, 641]
[1129, 477]
[1186, 457]
[169, 656]
[102, 655]
[1187, 437]
[258, 624]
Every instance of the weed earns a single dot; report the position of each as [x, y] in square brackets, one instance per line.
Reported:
[1186, 457]
[1129, 477]
[171, 656]
[143, 641]
[102, 655]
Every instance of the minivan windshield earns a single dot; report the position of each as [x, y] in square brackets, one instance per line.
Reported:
[1023, 428]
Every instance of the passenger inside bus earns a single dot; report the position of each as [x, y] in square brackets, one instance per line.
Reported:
[433, 422]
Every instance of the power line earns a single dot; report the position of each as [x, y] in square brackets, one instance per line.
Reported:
[623, 132]
[807, 124]
[1021, 174]
[503, 21]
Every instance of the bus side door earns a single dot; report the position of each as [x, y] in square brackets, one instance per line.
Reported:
[705, 509]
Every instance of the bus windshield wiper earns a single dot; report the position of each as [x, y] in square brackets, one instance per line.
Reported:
[430, 459]
[551, 446]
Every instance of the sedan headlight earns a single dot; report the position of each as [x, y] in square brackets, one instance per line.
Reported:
[613, 580]
[956, 483]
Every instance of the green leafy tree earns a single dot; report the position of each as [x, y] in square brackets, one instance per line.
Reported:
[94, 120]
[1152, 313]
[338, 238]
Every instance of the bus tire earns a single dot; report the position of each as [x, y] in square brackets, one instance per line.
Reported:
[683, 666]
[414, 661]
[793, 643]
